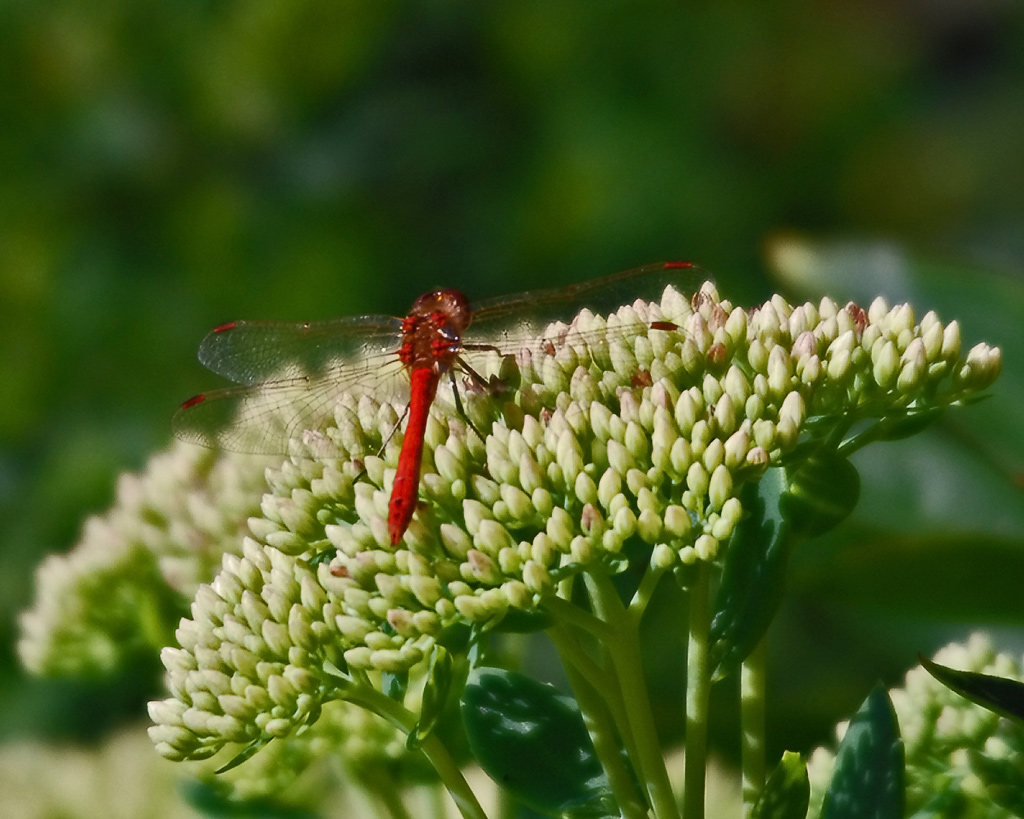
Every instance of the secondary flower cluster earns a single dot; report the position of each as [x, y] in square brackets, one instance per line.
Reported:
[138, 565]
[627, 435]
[956, 752]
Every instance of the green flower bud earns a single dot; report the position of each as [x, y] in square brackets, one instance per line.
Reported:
[726, 416]
[780, 371]
[536, 577]
[713, 455]
[758, 356]
[620, 458]
[886, 365]
[677, 521]
[951, 341]
[681, 456]
[648, 526]
[720, 488]
[736, 447]
[560, 528]
[914, 367]
[688, 409]
[624, 523]
[706, 548]
[662, 557]
[901, 319]
[697, 479]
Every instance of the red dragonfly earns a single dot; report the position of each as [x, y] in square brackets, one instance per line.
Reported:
[291, 375]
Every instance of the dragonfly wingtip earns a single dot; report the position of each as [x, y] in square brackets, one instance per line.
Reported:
[191, 402]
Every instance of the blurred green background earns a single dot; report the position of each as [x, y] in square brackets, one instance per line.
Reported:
[168, 166]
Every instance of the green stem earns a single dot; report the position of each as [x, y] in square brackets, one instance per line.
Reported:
[698, 689]
[752, 709]
[432, 747]
[597, 709]
[644, 592]
[624, 651]
[601, 678]
[565, 612]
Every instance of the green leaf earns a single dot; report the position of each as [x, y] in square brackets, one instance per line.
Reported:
[752, 576]
[435, 697]
[394, 686]
[1005, 697]
[246, 753]
[868, 781]
[896, 428]
[532, 741]
[787, 792]
[519, 621]
[821, 493]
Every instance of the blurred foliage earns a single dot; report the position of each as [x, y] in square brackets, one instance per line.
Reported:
[170, 166]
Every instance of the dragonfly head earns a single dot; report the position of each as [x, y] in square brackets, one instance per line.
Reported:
[451, 304]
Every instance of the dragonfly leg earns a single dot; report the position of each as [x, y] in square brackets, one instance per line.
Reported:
[386, 441]
[458, 402]
[394, 429]
[493, 385]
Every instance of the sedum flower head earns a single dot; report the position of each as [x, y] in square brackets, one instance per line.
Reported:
[950, 742]
[620, 437]
[132, 573]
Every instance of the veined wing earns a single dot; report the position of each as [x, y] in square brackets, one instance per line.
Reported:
[292, 376]
[252, 352]
[509, 320]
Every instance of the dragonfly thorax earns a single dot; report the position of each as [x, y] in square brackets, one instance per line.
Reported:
[432, 332]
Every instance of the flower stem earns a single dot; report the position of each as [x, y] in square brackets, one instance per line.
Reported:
[623, 650]
[432, 747]
[698, 689]
[596, 711]
[642, 596]
[752, 704]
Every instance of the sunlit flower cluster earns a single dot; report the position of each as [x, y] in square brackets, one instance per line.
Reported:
[617, 438]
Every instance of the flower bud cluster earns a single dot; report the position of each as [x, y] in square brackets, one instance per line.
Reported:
[164, 536]
[252, 658]
[639, 427]
[944, 732]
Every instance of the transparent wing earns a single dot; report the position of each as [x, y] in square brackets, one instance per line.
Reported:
[292, 375]
[251, 352]
[507, 320]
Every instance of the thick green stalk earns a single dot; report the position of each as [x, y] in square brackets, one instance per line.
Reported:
[432, 747]
[597, 713]
[698, 689]
[752, 704]
[624, 651]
